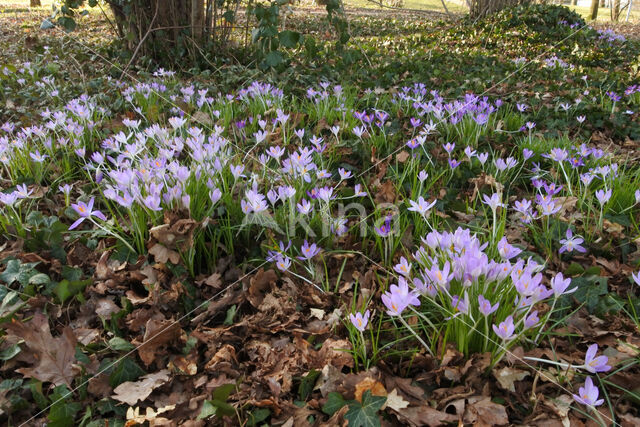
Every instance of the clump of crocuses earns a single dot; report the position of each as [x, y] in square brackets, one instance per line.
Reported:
[459, 293]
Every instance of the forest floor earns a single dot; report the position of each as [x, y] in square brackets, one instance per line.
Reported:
[434, 224]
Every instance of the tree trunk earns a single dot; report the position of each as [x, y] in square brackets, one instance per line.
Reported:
[35, 3]
[594, 9]
[574, 2]
[615, 10]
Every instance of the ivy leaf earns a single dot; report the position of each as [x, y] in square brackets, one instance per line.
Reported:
[590, 290]
[274, 58]
[289, 38]
[18, 272]
[120, 344]
[127, 370]
[66, 289]
[335, 401]
[365, 414]
[46, 24]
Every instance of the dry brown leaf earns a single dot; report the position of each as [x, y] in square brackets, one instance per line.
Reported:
[402, 156]
[425, 416]
[482, 409]
[131, 392]
[317, 312]
[369, 384]
[54, 358]
[105, 307]
[151, 416]
[158, 333]
[395, 401]
[163, 255]
[507, 376]
[258, 284]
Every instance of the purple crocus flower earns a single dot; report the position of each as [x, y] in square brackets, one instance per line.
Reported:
[506, 250]
[308, 251]
[505, 329]
[421, 206]
[526, 153]
[571, 243]
[588, 395]
[403, 267]
[85, 211]
[359, 321]
[493, 202]
[485, 306]
[531, 320]
[593, 363]
[636, 277]
[559, 285]
[385, 229]
[603, 196]
[453, 163]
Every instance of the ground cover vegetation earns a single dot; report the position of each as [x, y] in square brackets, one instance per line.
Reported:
[425, 223]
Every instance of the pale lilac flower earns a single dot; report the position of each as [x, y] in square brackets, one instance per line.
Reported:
[581, 119]
[636, 277]
[215, 195]
[505, 329]
[571, 243]
[493, 202]
[559, 285]
[65, 189]
[469, 152]
[460, 305]
[527, 154]
[603, 196]
[357, 189]
[506, 250]
[485, 307]
[421, 206]
[177, 122]
[37, 157]
[359, 321]
[22, 191]
[304, 207]
[283, 262]
[482, 157]
[531, 320]
[308, 251]
[595, 364]
[85, 211]
[449, 147]
[275, 152]
[422, 176]
[403, 267]
[588, 395]
[344, 174]
[236, 171]
[453, 163]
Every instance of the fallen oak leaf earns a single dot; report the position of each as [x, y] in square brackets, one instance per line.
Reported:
[395, 401]
[507, 376]
[162, 254]
[369, 384]
[424, 416]
[54, 357]
[158, 333]
[151, 416]
[131, 392]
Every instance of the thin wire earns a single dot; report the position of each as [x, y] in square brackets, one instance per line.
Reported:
[109, 366]
[463, 106]
[472, 327]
